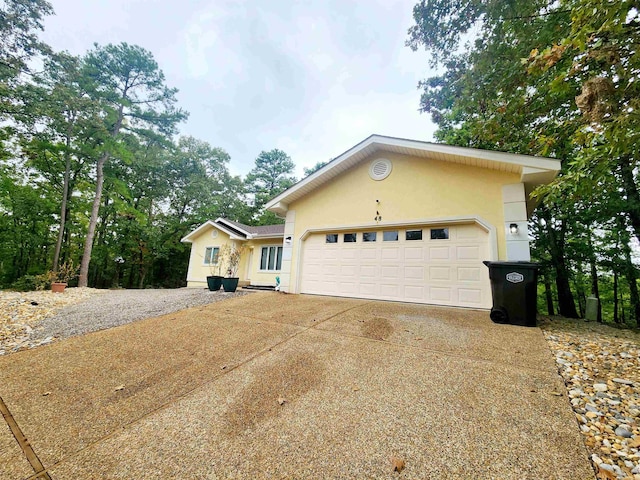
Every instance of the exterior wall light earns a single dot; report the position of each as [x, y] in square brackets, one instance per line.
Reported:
[513, 228]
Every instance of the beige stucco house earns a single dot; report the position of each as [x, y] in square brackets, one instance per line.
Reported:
[390, 219]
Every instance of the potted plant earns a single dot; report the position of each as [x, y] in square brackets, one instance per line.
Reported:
[62, 275]
[214, 282]
[232, 255]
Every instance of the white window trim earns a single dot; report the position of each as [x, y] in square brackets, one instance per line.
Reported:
[260, 270]
[204, 258]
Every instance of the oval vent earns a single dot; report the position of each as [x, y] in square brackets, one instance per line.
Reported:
[380, 169]
[214, 233]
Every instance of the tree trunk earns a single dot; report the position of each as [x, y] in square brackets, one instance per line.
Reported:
[566, 303]
[631, 191]
[548, 294]
[63, 207]
[616, 319]
[595, 291]
[88, 242]
[632, 279]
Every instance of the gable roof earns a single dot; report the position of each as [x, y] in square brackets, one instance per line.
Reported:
[533, 171]
[253, 232]
[237, 230]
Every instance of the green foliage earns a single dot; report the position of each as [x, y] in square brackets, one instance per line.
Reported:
[315, 168]
[88, 155]
[556, 79]
[29, 283]
[272, 175]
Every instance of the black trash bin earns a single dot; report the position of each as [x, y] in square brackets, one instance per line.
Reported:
[514, 292]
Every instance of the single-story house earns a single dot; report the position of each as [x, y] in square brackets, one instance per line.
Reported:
[389, 219]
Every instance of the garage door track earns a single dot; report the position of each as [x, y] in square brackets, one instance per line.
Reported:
[291, 386]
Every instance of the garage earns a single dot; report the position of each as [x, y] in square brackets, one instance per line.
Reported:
[435, 264]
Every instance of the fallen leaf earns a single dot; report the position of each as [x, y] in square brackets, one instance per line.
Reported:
[119, 387]
[419, 338]
[398, 464]
[355, 389]
[46, 394]
[605, 474]
[282, 401]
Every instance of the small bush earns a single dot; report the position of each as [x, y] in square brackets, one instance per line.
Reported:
[29, 283]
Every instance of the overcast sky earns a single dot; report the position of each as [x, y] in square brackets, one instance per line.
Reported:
[312, 78]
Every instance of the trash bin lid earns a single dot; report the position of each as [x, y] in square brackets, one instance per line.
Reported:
[517, 264]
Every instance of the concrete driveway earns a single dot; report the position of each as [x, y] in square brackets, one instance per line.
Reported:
[291, 386]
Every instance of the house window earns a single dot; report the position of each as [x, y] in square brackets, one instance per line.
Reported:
[349, 237]
[271, 258]
[413, 234]
[369, 237]
[332, 238]
[390, 236]
[439, 233]
[211, 255]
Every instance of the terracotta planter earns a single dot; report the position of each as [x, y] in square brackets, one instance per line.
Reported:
[58, 287]
[230, 284]
[214, 282]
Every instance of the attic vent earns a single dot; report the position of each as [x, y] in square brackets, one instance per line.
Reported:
[380, 169]
[214, 233]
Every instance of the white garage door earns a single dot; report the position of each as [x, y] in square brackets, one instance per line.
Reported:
[435, 265]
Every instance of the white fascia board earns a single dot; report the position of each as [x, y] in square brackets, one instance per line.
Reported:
[260, 237]
[189, 238]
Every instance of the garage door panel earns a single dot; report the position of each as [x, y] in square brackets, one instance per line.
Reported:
[414, 292]
[369, 289]
[469, 296]
[369, 254]
[469, 274]
[349, 254]
[468, 252]
[413, 254]
[439, 253]
[440, 294]
[330, 254]
[439, 271]
[390, 253]
[348, 270]
[389, 272]
[414, 273]
[330, 269]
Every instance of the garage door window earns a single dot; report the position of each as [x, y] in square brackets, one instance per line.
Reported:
[369, 237]
[349, 237]
[271, 258]
[413, 234]
[390, 236]
[439, 233]
[332, 238]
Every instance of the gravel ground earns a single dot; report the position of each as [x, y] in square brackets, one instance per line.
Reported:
[94, 310]
[600, 366]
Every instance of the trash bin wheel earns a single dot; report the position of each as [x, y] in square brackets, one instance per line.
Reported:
[499, 315]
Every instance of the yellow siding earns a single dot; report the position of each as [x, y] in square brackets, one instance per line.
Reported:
[417, 189]
[257, 276]
[198, 271]
[249, 269]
